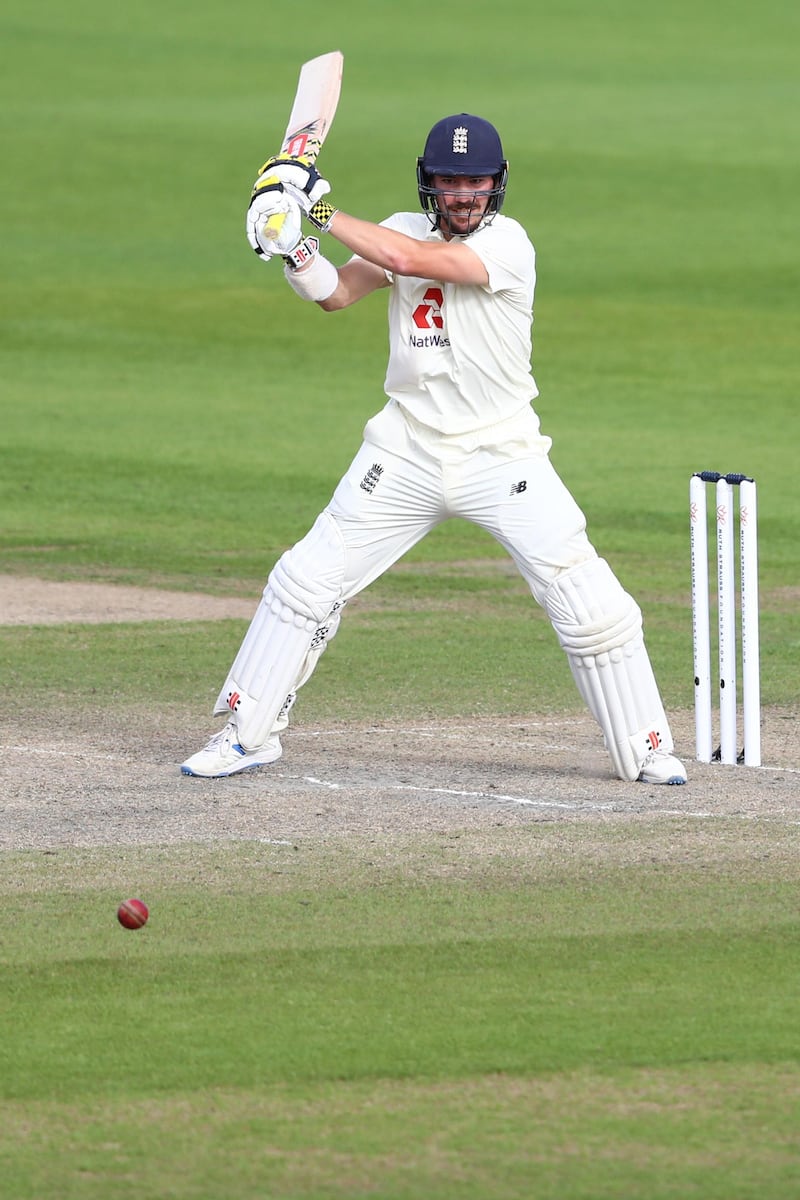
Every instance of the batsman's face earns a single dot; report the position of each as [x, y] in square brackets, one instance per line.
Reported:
[462, 201]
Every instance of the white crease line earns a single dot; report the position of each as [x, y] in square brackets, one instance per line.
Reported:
[441, 791]
[523, 801]
[579, 806]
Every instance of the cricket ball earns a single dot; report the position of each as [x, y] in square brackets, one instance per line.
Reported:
[133, 914]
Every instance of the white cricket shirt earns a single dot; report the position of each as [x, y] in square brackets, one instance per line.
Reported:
[460, 354]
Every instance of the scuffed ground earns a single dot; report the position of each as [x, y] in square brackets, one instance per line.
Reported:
[111, 778]
[109, 781]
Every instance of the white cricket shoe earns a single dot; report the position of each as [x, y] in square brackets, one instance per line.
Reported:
[661, 767]
[224, 756]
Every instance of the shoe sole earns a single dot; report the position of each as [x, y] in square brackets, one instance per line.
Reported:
[226, 774]
[673, 781]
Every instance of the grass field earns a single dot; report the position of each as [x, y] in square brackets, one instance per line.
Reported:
[569, 1010]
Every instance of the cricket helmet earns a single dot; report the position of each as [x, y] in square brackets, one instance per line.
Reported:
[462, 145]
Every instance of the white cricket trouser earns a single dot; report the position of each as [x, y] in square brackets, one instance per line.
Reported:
[405, 480]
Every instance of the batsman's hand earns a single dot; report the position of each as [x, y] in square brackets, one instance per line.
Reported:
[300, 178]
[273, 221]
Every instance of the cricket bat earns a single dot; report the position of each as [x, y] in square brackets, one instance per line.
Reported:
[314, 107]
[312, 114]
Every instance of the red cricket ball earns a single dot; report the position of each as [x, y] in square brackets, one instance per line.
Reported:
[133, 914]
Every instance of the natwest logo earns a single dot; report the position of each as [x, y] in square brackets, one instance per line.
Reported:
[428, 314]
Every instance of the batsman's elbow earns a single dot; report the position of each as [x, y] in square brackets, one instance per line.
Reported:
[338, 300]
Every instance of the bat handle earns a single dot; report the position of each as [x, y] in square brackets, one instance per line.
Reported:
[271, 228]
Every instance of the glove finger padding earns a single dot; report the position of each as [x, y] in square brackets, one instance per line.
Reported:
[300, 178]
[273, 222]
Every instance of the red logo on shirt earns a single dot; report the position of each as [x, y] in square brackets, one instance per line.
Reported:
[428, 315]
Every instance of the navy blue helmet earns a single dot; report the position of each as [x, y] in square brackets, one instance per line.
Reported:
[462, 145]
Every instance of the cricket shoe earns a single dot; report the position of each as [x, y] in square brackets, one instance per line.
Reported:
[661, 767]
[224, 756]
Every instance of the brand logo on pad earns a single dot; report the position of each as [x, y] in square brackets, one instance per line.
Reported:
[653, 739]
[234, 700]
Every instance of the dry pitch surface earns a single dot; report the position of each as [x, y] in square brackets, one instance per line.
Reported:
[109, 781]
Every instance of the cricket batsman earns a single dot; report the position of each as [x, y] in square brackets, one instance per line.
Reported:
[457, 437]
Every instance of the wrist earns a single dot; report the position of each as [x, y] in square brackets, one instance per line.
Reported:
[316, 278]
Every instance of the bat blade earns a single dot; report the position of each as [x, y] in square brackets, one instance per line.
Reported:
[314, 105]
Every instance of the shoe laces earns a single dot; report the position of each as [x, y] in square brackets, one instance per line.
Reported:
[654, 754]
[225, 735]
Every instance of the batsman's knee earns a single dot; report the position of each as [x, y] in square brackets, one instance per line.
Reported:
[590, 610]
[308, 578]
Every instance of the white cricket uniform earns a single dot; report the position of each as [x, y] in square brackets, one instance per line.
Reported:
[458, 436]
[459, 356]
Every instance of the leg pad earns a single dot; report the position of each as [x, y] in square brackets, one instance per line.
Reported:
[600, 627]
[290, 629]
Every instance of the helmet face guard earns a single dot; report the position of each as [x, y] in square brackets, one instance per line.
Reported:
[462, 145]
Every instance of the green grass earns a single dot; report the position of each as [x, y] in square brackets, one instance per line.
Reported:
[340, 1026]
[628, 1134]
[548, 1018]
[173, 416]
[448, 655]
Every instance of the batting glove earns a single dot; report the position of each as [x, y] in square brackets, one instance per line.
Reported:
[300, 178]
[273, 219]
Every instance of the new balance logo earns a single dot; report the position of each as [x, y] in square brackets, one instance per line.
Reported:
[517, 488]
[371, 478]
